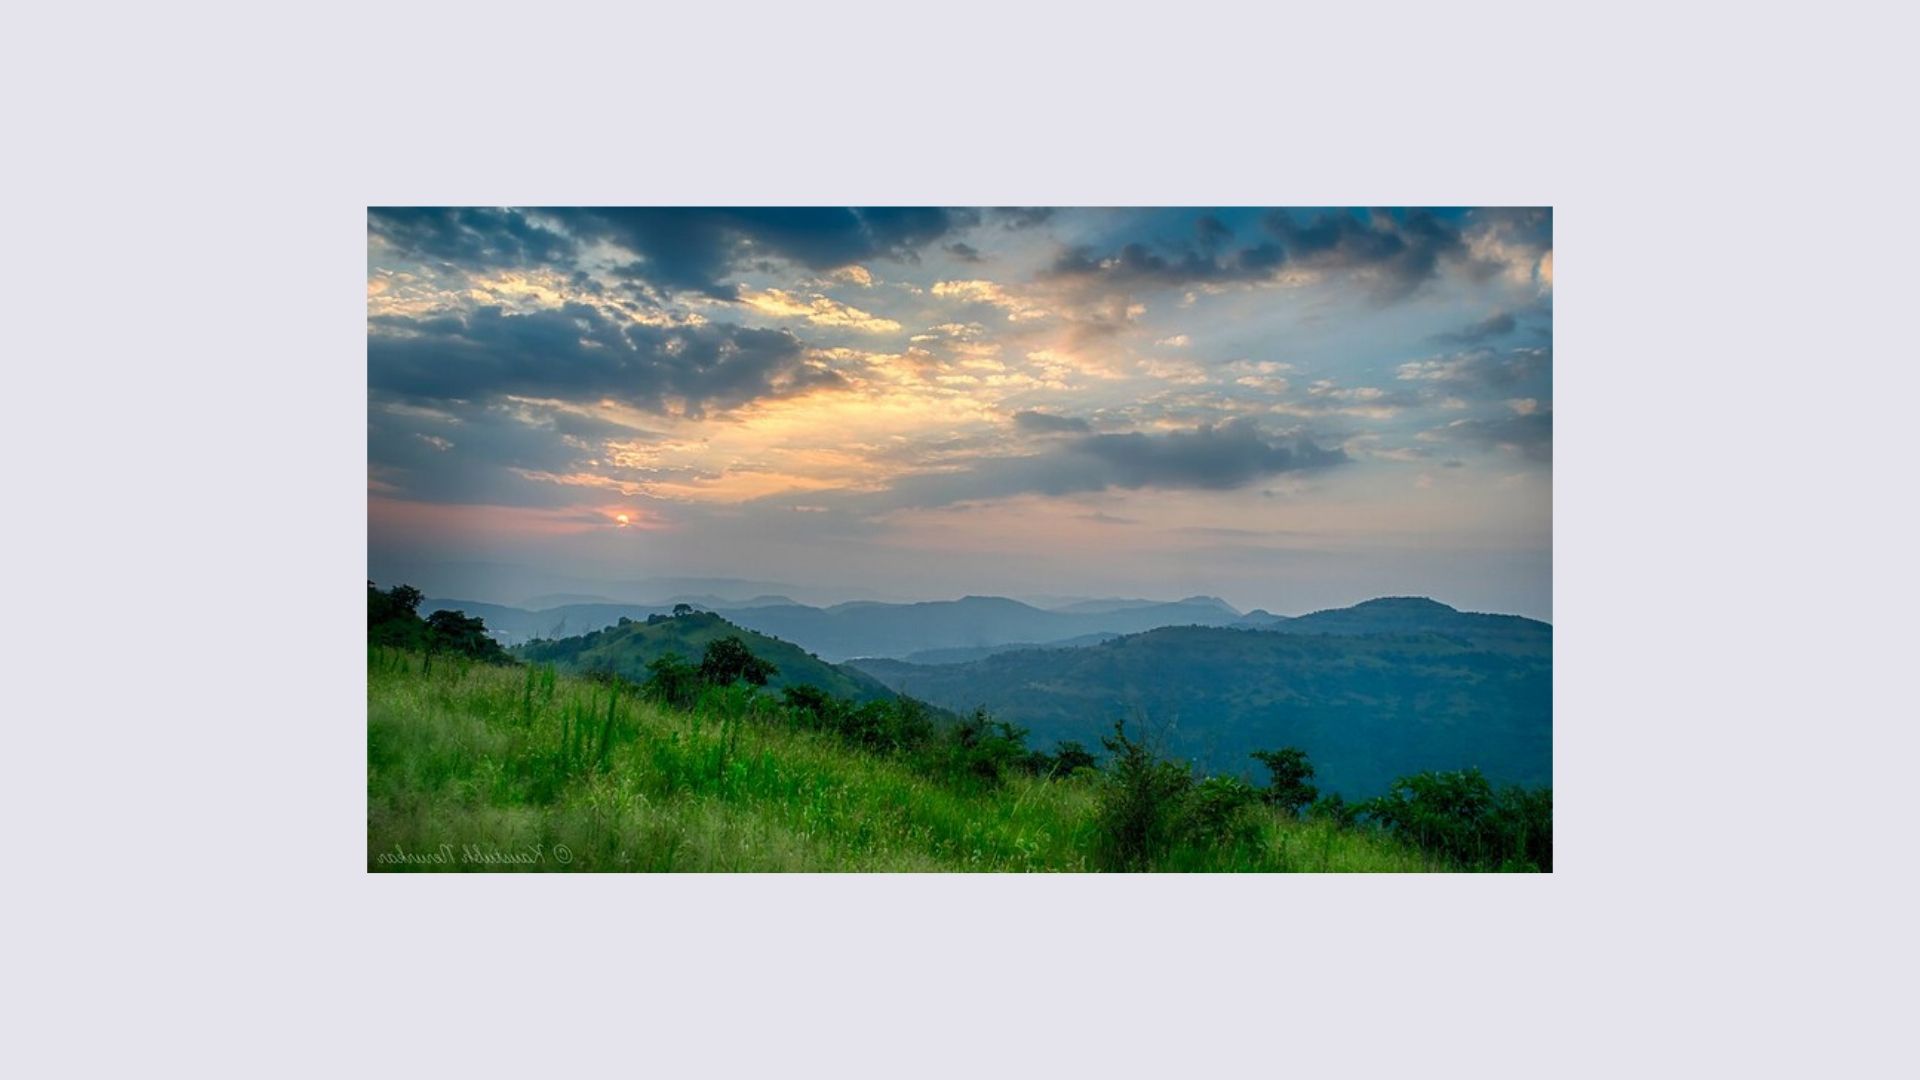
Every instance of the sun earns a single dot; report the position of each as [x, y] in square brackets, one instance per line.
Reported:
[623, 520]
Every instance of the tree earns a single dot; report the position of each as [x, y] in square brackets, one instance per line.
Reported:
[1460, 816]
[407, 597]
[1289, 789]
[729, 660]
[682, 609]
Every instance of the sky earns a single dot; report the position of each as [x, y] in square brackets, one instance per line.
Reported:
[1289, 409]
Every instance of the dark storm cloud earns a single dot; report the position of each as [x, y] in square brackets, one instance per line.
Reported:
[963, 252]
[1494, 326]
[472, 237]
[574, 352]
[1212, 458]
[1039, 423]
[695, 249]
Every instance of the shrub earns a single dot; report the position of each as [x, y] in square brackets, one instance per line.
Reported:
[672, 680]
[1219, 811]
[1460, 817]
[1142, 805]
[811, 704]
[984, 749]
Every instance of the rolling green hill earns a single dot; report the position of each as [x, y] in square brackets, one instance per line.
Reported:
[626, 649]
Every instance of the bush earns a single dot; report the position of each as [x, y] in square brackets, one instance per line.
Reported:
[900, 724]
[1459, 816]
[1143, 805]
[984, 749]
[1219, 811]
[672, 680]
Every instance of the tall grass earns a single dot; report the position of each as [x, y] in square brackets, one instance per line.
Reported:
[478, 767]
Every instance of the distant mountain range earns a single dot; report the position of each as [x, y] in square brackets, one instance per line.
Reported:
[873, 629]
[1371, 692]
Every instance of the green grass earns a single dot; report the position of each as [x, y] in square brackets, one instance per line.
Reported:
[477, 767]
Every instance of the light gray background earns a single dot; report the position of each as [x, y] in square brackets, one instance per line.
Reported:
[186, 436]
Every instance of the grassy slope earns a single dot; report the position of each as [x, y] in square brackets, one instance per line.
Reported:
[473, 755]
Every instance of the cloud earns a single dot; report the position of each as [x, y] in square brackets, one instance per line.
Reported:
[817, 309]
[1017, 307]
[963, 252]
[482, 453]
[1396, 251]
[1227, 456]
[696, 249]
[1529, 433]
[1137, 265]
[576, 352]
[1514, 241]
[1023, 217]
[1482, 372]
[1039, 423]
[475, 238]
[1497, 325]
[1209, 457]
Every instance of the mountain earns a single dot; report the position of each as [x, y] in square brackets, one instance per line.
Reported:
[1104, 607]
[626, 650]
[1371, 693]
[867, 628]
[969, 628]
[551, 600]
